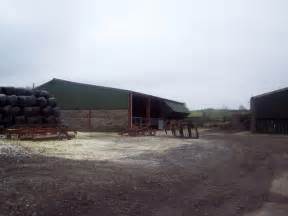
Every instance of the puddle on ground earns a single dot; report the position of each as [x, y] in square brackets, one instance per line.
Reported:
[280, 185]
[271, 209]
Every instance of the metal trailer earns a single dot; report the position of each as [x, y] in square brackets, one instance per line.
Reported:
[176, 128]
[37, 133]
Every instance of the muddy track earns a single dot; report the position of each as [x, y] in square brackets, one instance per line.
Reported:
[221, 174]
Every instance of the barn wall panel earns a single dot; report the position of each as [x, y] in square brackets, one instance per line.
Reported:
[95, 120]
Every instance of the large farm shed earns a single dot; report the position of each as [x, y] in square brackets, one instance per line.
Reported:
[270, 112]
[91, 107]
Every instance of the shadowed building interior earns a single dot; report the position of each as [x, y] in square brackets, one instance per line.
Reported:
[270, 112]
[97, 108]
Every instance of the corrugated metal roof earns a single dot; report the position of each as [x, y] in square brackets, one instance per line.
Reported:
[271, 93]
[271, 106]
[177, 107]
[73, 95]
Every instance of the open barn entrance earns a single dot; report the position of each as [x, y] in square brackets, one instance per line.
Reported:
[147, 111]
[147, 114]
[153, 112]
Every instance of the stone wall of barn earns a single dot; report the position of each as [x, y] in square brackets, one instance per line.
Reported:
[95, 120]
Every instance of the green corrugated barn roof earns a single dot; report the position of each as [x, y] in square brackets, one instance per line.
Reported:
[177, 107]
[72, 95]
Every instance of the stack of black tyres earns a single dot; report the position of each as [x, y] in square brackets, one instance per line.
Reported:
[27, 107]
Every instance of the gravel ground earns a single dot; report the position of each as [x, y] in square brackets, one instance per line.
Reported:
[106, 174]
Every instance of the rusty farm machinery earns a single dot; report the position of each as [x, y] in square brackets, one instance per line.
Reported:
[175, 128]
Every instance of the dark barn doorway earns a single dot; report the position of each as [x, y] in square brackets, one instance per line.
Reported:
[149, 111]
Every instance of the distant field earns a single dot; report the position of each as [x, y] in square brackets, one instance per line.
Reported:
[213, 114]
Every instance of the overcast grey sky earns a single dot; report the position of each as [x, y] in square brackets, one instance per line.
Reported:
[207, 53]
